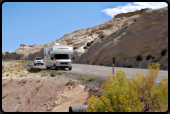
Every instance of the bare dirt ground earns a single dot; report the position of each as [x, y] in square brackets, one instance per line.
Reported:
[24, 90]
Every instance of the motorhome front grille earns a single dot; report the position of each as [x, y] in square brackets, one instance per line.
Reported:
[63, 63]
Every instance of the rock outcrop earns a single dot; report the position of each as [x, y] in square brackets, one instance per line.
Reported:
[143, 32]
[148, 35]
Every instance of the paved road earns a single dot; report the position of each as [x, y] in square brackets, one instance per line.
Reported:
[104, 71]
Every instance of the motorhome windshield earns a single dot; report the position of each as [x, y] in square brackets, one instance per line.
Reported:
[61, 56]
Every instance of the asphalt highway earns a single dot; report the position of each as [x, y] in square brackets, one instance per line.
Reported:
[104, 71]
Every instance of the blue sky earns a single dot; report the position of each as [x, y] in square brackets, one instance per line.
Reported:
[32, 23]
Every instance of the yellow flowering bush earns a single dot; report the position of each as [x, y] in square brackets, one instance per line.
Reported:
[137, 95]
[118, 96]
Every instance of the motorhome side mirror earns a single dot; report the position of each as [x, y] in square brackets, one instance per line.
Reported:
[52, 58]
[73, 58]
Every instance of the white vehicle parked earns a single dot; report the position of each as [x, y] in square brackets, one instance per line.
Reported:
[38, 60]
[58, 56]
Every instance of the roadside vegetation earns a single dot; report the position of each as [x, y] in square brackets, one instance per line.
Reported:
[138, 95]
[53, 73]
[59, 72]
[163, 52]
[90, 78]
[13, 68]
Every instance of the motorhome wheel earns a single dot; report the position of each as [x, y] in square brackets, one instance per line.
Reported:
[62, 68]
[47, 67]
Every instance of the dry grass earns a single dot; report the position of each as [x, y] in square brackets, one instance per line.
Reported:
[152, 96]
[59, 72]
[38, 80]
[6, 93]
[22, 74]
[90, 78]
[42, 75]
[43, 71]
[4, 84]
[13, 68]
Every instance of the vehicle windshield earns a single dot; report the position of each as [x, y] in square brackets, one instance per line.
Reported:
[38, 58]
[61, 56]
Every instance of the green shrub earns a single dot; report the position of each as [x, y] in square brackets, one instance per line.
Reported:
[163, 52]
[53, 74]
[75, 48]
[102, 36]
[153, 57]
[14, 53]
[139, 58]
[7, 74]
[7, 52]
[89, 43]
[85, 47]
[90, 78]
[148, 57]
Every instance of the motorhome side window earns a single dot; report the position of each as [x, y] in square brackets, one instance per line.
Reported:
[48, 57]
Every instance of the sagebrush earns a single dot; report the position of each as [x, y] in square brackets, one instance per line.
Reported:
[53, 74]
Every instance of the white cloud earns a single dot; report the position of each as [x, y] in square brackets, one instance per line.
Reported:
[133, 7]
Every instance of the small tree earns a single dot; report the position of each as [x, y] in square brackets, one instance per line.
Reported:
[89, 43]
[139, 58]
[85, 47]
[163, 52]
[148, 57]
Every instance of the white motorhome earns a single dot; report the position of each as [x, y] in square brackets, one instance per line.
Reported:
[58, 56]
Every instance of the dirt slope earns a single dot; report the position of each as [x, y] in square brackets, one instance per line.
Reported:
[33, 92]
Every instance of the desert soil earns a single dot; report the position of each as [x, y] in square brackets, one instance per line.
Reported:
[29, 91]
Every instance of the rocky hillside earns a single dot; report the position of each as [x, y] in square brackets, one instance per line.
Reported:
[134, 39]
